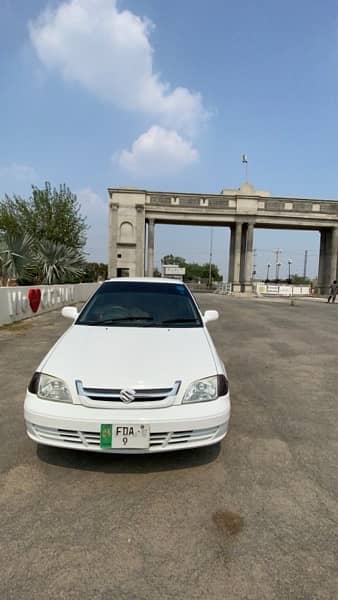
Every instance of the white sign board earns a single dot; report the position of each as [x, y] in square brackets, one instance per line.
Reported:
[173, 270]
[282, 290]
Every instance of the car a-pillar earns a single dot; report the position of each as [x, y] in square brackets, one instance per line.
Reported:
[126, 233]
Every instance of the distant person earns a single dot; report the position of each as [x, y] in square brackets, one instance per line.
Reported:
[333, 291]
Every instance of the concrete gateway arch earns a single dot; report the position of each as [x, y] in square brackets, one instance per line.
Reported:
[133, 214]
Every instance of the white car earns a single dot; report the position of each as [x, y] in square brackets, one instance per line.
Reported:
[136, 372]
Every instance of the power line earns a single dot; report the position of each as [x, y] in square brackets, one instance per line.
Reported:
[289, 251]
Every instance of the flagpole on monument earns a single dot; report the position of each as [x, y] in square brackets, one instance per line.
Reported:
[245, 162]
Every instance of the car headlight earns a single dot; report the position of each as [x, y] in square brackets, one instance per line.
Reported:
[49, 388]
[206, 389]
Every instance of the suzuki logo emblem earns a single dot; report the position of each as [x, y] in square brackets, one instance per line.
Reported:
[127, 395]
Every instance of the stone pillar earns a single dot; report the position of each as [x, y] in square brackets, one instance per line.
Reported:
[243, 254]
[332, 258]
[322, 262]
[237, 257]
[248, 258]
[140, 222]
[321, 265]
[327, 258]
[150, 259]
[231, 254]
[112, 239]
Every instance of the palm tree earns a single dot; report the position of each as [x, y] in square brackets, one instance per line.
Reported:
[57, 263]
[15, 256]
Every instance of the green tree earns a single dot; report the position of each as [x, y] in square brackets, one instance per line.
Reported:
[57, 263]
[170, 259]
[93, 271]
[16, 255]
[50, 213]
[193, 271]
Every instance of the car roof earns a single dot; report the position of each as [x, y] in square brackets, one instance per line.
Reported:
[145, 280]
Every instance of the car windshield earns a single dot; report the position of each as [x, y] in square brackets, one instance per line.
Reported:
[138, 304]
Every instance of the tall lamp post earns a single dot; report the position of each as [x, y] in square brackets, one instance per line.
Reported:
[268, 271]
[278, 266]
[289, 263]
[210, 259]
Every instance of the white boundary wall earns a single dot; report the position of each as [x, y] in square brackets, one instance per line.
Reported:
[270, 289]
[282, 290]
[224, 288]
[22, 302]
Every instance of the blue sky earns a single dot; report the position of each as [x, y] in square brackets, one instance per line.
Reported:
[168, 95]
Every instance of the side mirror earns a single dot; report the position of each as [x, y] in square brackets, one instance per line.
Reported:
[210, 315]
[70, 312]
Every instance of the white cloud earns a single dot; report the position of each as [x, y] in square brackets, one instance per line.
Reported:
[96, 211]
[158, 151]
[18, 172]
[108, 51]
[90, 201]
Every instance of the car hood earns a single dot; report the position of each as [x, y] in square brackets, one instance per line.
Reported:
[116, 357]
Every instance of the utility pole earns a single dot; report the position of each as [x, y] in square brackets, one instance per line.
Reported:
[267, 272]
[210, 258]
[254, 264]
[305, 263]
[277, 252]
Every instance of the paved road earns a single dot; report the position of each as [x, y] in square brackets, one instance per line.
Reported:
[253, 519]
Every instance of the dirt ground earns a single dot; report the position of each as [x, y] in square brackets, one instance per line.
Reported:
[252, 519]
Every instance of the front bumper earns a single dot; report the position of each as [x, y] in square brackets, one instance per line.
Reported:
[173, 428]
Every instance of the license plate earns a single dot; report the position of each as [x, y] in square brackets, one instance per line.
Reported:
[124, 436]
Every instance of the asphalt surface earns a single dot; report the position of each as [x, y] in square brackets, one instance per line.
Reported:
[254, 518]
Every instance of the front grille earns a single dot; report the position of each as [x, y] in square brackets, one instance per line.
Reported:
[108, 398]
[114, 395]
[88, 439]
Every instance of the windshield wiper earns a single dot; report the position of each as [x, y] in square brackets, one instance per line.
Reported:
[180, 321]
[117, 319]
